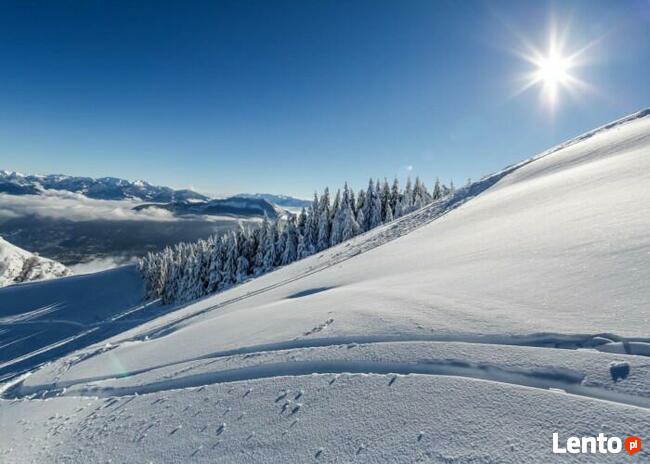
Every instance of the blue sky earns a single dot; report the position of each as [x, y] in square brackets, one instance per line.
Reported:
[290, 96]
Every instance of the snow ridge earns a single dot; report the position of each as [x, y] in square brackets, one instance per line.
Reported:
[18, 265]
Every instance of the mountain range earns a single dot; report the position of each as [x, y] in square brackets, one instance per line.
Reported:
[104, 188]
[113, 188]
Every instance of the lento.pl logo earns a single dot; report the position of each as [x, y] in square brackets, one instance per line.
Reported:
[593, 445]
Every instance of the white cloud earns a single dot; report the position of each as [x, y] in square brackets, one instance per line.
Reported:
[99, 264]
[76, 207]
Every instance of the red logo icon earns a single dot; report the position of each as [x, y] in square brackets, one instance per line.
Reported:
[633, 445]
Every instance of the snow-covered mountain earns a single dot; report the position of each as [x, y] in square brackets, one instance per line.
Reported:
[471, 330]
[284, 201]
[18, 265]
[112, 188]
[233, 206]
[107, 221]
[105, 188]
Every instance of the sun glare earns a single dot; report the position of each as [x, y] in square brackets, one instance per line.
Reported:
[552, 73]
[553, 70]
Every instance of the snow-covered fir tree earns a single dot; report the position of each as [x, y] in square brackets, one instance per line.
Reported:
[188, 271]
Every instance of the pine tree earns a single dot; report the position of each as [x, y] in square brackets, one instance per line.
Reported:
[242, 269]
[302, 250]
[280, 242]
[437, 191]
[229, 271]
[349, 227]
[360, 220]
[310, 237]
[389, 215]
[394, 196]
[302, 221]
[361, 210]
[386, 208]
[374, 199]
[323, 241]
[336, 204]
[269, 250]
[419, 194]
[214, 271]
[407, 197]
[290, 253]
[368, 205]
[258, 261]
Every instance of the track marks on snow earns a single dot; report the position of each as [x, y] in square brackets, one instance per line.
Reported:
[319, 327]
[549, 378]
[540, 340]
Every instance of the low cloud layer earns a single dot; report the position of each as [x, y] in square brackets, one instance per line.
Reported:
[99, 264]
[75, 207]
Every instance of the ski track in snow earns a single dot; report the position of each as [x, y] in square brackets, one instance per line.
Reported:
[558, 379]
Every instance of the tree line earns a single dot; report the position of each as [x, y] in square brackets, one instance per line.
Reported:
[187, 271]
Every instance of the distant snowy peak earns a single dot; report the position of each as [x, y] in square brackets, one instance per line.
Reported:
[18, 265]
[105, 188]
[281, 200]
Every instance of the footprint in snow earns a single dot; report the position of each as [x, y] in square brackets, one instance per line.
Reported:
[296, 408]
[286, 405]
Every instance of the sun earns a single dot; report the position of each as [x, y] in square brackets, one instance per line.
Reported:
[553, 70]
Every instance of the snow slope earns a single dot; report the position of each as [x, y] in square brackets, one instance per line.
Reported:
[469, 331]
[18, 265]
[40, 321]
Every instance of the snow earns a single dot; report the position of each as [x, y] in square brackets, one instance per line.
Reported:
[18, 265]
[468, 331]
[40, 321]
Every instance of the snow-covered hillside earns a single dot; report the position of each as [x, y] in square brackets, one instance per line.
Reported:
[468, 331]
[238, 207]
[18, 265]
[284, 201]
